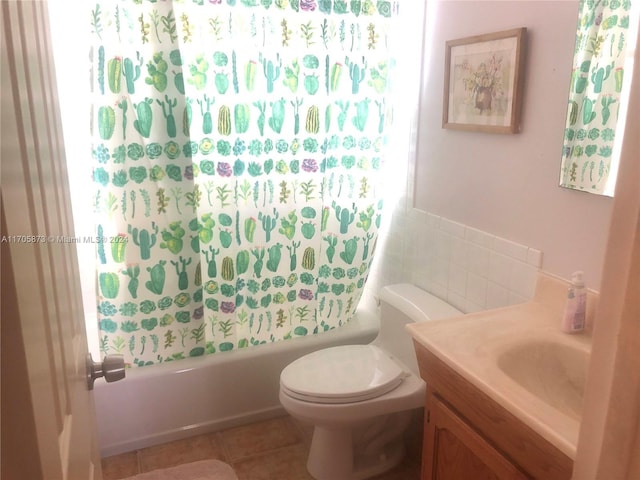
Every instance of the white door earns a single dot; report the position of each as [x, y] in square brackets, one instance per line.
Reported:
[48, 418]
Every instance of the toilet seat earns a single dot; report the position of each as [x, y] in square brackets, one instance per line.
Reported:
[344, 374]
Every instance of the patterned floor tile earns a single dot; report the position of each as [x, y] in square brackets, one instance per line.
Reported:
[260, 437]
[201, 447]
[120, 466]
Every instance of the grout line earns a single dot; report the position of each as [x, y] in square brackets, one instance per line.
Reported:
[138, 462]
[225, 449]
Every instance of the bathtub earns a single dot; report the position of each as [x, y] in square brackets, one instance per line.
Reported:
[174, 400]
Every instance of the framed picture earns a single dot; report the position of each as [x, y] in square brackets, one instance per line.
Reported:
[483, 82]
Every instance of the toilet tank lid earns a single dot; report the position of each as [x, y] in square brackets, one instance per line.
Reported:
[416, 303]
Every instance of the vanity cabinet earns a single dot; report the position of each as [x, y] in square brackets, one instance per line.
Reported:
[467, 435]
[454, 450]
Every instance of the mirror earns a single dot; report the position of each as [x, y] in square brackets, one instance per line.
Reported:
[598, 94]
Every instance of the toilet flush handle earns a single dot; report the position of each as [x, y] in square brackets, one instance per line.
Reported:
[111, 368]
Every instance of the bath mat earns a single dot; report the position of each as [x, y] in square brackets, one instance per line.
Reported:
[202, 470]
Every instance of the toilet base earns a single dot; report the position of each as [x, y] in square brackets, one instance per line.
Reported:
[358, 453]
[392, 456]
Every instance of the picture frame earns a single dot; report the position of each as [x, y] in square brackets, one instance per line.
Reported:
[484, 81]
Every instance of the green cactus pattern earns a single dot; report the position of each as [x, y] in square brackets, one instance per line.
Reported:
[224, 120]
[291, 73]
[100, 68]
[222, 159]
[241, 117]
[102, 258]
[156, 277]
[114, 74]
[133, 272]
[132, 72]
[168, 114]
[242, 261]
[118, 246]
[357, 74]
[172, 238]
[144, 239]
[157, 69]
[596, 85]
[106, 122]
[274, 254]
[181, 271]
[227, 269]
[276, 120]
[109, 284]
[145, 117]
[271, 71]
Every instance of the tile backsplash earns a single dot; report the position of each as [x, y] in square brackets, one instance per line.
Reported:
[471, 269]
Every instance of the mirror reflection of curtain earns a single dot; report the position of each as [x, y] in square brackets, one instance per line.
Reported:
[595, 93]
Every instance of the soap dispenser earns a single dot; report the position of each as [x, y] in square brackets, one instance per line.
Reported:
[575, 310]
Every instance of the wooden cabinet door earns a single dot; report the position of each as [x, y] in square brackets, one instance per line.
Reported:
[454, 451]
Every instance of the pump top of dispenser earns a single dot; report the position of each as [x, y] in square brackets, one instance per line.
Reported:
[577, 278]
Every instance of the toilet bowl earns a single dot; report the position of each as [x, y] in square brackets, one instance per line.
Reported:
[360, 399]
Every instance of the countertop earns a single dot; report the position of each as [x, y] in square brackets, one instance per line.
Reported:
[471, 344]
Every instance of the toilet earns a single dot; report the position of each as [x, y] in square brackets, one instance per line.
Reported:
[360, 399]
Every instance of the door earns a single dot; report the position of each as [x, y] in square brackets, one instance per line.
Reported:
[48, 419]
[454, 450]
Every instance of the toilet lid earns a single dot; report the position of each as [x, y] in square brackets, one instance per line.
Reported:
[342, 374]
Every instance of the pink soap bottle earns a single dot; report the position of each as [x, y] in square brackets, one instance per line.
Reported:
[573, 320]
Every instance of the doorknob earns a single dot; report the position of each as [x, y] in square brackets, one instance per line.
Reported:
[111, 368]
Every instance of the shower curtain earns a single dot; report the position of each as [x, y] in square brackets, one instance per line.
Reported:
[237, 147]
[594, 99]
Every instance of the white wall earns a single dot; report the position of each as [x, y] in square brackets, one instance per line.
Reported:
[508, 184]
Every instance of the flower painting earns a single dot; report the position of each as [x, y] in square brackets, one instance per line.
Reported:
[483, 82]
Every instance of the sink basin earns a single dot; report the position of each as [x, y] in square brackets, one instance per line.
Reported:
[552, 371]
[520, 359]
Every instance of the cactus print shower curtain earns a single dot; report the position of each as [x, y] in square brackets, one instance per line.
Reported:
[594, 98]
[237, 146]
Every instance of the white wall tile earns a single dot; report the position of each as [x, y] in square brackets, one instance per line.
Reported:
[500, 269]
[479, 237]
[478, 259]
[453, 228]
[422, 261]
[429, 273]
[534, 257]
[477, 289]
[441, 271]
[457, 279]
[457, 301]
[432, 220]
[470, 307]
[439, 290]
[420, 280]
[510, 249]
[523, 279]
[515, 299]
[459, 251]
[442, 245]
[467, 267]
[497, 295]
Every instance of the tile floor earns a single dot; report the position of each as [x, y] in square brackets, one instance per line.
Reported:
[268, 450]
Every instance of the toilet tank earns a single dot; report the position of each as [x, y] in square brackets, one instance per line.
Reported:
[405, 303]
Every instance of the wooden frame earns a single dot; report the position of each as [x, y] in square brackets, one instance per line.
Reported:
[483, 77]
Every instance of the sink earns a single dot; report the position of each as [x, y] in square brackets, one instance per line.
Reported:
[552, 371]
[520, 359]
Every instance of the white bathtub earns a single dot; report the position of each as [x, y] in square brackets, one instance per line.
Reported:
[175, 400]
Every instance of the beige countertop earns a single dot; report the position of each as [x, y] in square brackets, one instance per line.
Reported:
[520, 358]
